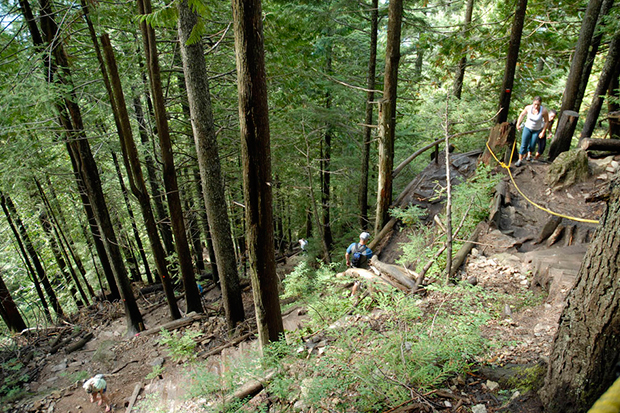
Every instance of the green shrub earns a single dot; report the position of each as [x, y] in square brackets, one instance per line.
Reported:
[180, 346]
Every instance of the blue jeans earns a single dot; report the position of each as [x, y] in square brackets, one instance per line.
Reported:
[528, 140]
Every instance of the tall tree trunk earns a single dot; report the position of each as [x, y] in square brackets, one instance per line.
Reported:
[9, 311]
[192, 296]
[151, 171]
[370, 97]
[613, 59]
[586, 348]
[204, 223]
[613, 94]
[97, 239]
[132, 218]
[457, 88]
[593, 51]
[35, 279]
[563, 136]
[511, 61]
[256, 155]
[387, 114]
[80, 148]
[326, 158]
[197, 84]
[136, 179]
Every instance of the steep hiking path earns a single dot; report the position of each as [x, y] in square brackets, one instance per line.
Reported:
[522, 249]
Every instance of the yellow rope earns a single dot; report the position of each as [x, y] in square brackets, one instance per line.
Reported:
[507, 167]
[609, 401]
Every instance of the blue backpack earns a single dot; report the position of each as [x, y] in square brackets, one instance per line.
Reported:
[358, 258]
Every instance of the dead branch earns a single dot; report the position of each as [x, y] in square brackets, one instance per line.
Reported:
[173, 325]
[79, 344]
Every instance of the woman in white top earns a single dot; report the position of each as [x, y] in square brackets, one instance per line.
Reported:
[536, 123]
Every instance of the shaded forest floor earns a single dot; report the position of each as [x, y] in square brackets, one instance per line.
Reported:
[509, 258]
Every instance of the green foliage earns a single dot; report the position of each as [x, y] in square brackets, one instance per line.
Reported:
[300, 282]
[410, 216]
[14, 376]
[158, 370]
[181, 346]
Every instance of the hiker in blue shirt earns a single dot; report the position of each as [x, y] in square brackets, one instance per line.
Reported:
[358, 254]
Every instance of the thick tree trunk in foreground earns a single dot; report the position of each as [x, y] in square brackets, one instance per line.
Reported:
[370, 97]
[563, 136]
[192, 296]
[256, 156]
[387, 115]
[199, 98]
[586, 348]
[511, 61]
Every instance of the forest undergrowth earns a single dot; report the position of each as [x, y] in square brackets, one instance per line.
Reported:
[372, 350]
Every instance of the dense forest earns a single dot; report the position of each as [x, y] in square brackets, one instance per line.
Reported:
[173, 142]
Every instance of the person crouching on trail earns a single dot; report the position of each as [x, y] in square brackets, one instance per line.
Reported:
[358, 254]
[96, 386]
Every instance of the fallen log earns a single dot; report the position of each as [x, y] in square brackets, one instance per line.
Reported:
[250, 388]
[219, 349]
[173, 325]
[79, 344]
[397, 272]
[64, 342]
[607, 145]
[460, 256]
[133, 398]
[373, 278]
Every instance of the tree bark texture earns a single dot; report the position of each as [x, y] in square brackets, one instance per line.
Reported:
[563, 136]
[256, 157]
[136, 179]
[214, 199]
[370, 97]
[192, 295]
[613, 59]
[586, 348]
[387, 115]
[511, 61]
